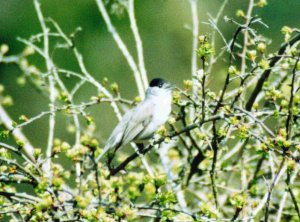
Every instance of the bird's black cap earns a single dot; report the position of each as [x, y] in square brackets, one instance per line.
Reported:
[157, 82]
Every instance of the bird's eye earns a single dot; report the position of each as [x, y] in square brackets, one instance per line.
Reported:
[160, 85]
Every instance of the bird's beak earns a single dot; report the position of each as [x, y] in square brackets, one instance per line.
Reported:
[171, 86]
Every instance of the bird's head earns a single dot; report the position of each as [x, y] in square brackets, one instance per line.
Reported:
[159, 87]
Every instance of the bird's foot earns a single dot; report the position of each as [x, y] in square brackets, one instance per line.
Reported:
[140, 147]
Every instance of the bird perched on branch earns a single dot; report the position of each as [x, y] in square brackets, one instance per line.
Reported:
[142, 121]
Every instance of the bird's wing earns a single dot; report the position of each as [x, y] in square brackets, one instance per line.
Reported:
[140, 118]
[131, 125]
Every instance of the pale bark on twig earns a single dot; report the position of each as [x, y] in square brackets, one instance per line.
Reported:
[122, 47]
[49, 65]
[17, 133]
[139, 44]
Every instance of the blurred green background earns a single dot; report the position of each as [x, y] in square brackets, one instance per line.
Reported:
[164, 27]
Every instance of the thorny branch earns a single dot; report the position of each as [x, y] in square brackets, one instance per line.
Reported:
[266, 73]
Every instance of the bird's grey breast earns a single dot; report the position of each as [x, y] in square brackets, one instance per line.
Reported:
[160, 109]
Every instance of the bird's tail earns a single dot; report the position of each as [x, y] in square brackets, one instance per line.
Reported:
[104, 151]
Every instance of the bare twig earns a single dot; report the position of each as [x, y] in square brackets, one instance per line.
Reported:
[267, 72]
[139, 45]
[50, 67]
[195, 19]
[8, 123]
[122, 47]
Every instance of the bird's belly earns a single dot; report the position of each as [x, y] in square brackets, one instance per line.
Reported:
[147, 132]
[160, 116]
[161, 113]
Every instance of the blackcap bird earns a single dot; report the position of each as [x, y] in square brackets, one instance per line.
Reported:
[142, 121]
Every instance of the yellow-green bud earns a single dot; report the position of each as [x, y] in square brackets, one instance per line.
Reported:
[285, 66]
[114, 87]
[160, 180]
[137, 99]
[1, 89]
[262, 3]
[57, 182]
[240, 13]
[105, 80]
[238, 200]
[232, 70]
[284, 103]
[82, 201]
[71, 128]
[286, 30]
[23, 118]
[4, 49]
[65, 146]
[95, 98]
[28, 51]
[56, 142]
[262, 47]
[298, 66]
[167, 140]
[252, 55]
[20, 143]
[37, 152]
[294, 52]
[162, 131]
[200, 136]
[188, 84]
[264, 64]
[202, 38]
[176, 97]
[94, 143]
[240, 90]
[287, 143]
[291, 164]
[7, 101]
[234, 121]
[45, 202]
[171, 120]
[211, 95]
[89, 120]
[173, 154]
[3, 169]
[32, 69]
[21, 81]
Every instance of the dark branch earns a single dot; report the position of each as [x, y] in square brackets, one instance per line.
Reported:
[267, 72]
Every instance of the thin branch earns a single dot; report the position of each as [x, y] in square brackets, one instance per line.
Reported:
[246, 37]
[8, 123]
[138, 41]
[266, 196]
[215, 21]
[87, 76]
[294, 200]
[163, 153]
[122, 47]
[195, 19]
[49, 64]
[18, 152]
[289, 120]
[122, 166]
[267, 72]
[269, 194]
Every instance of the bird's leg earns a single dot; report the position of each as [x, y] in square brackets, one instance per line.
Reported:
[140, 147]
[109, 160]
[114, 151]
[111, 156]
